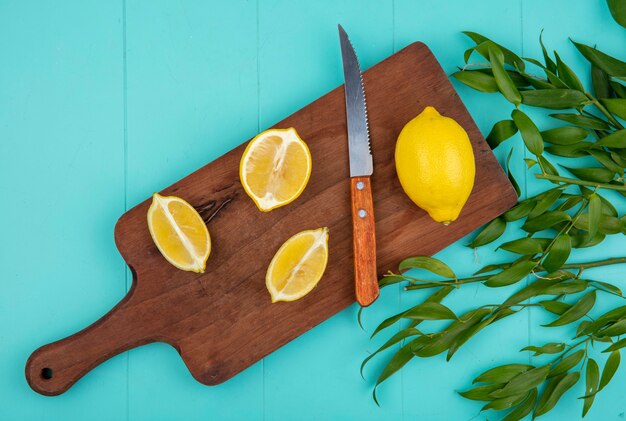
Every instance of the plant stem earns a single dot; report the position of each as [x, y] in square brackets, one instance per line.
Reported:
[557, 179]
[452, 282]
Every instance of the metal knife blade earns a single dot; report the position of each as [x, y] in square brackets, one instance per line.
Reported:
[361, 162]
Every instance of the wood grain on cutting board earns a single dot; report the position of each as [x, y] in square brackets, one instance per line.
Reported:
[222, 321]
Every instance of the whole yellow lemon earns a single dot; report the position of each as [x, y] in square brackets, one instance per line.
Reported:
[435, 164]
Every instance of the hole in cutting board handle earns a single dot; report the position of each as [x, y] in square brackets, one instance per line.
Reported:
[46, 373]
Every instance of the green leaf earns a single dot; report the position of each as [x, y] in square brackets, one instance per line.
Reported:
[511, 275]
[551, 348]
[614, 140]
[566, 287]
[536, 82]
[618, 88]
[616, 329]
[595, 214]
[616, 346]
[606, 160]
[443, 340]
[399, 359]
[553, 392]
[529, 131]
[523, 408]
[600, 175]
[503, 80]
[545, 221]
[518, 79]
[557, 256]
[430, 264]
[547, 166]
[398, 337]
[481, 393]
[491, 232]
[567, 75]
[582, 121]
[582, 240]
[519, 211]
[608, 224]
[505, 402]
[510, 175]
[509, 57]
[610, 367]
[556, 99]
[591, 379]
[500, 132]
[502, 374]
[556, 81]
[490, 268]
[577, 311]
[526, 245]
[605, 62]
[570, 203]
[618, 11]
[390, 279]
[550, 64]
[567, 363]
[422, 308]
[616, 106]
[607, 287]
[566, 135]
[531, 290]
[358, 318]
[555, 307]
[477, 80]
[600, 82]
[530, 162]
[429, 311]
[523, 382]
[472, 329]
[606, 318]
[576, 150]
[619, 159]
[547, 200]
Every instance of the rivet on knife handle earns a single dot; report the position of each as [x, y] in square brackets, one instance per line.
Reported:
[364, 241]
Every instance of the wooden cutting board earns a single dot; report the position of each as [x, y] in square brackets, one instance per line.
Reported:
[222, 321]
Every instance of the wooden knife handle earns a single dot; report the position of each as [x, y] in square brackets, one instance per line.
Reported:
[364, 241]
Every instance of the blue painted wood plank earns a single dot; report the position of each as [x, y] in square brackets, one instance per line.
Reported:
[316, 376]
[191, 96]
[61, 179]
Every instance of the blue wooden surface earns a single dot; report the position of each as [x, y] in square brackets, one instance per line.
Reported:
[104, 102]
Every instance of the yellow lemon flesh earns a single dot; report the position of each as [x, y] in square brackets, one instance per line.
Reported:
[179, 232]
[275, 168]
[298, 265]
[435, 164]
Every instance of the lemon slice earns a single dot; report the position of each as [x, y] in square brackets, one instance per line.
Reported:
[275, 168]
[298, 265]
[179, 232]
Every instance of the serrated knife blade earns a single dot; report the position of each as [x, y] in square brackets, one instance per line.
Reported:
[361, 162]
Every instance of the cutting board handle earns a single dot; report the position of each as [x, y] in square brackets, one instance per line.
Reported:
[54, 368]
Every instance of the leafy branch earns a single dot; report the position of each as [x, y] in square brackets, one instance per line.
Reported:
[573, 212]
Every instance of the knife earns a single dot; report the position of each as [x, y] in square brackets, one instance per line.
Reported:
[361, 168]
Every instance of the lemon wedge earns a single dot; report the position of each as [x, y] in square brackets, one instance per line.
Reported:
[275, 168]
[179, 232]
[298, 265]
